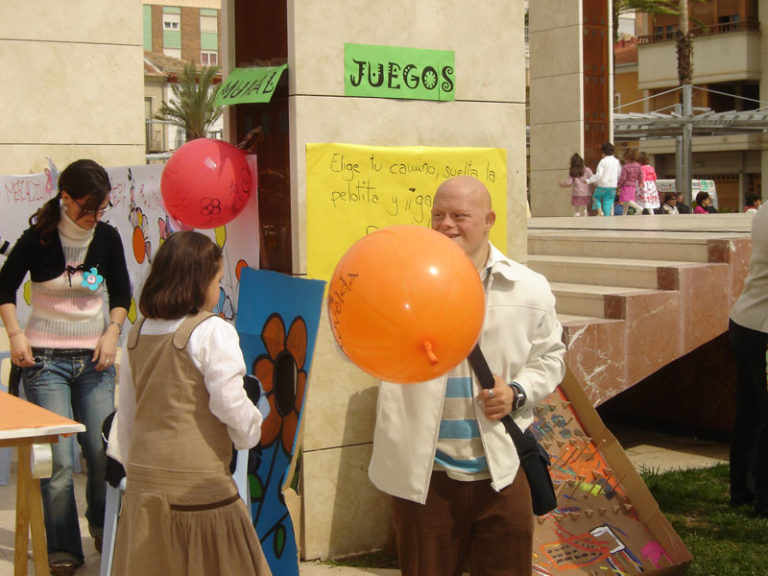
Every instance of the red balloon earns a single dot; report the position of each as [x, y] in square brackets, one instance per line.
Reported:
[406, 304]
[206, 183]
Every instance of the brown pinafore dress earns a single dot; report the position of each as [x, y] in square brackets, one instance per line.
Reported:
[181, 512]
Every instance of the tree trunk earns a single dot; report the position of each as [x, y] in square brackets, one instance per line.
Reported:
[684, 47]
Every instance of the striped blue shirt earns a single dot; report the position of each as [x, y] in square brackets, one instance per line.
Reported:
[460, 450]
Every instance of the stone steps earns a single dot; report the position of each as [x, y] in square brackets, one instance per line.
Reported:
[588, 300]
[633, 273]
[631, 301]
[620, 245]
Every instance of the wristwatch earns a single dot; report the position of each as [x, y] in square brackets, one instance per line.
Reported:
[520, 397]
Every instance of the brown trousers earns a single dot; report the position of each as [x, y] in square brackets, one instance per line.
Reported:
[466, 524]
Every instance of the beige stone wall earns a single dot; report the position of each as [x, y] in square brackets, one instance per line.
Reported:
[343, 512]
[210, 4]
[556, 89]
[72, 84]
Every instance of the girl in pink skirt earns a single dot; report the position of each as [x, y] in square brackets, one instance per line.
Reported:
[577, 180]
[630, 181]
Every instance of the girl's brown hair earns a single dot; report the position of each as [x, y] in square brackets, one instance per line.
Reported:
[181, 273]
[577, 166]
[630, 155]
[83, 180]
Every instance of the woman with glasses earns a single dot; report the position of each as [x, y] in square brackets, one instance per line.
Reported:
[68, 346]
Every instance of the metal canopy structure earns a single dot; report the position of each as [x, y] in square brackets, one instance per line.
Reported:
[706, 122]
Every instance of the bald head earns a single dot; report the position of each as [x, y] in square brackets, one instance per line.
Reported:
[462, 211]
[466, 187]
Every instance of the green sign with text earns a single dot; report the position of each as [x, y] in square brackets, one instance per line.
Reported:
[248, 85]
[391, 72]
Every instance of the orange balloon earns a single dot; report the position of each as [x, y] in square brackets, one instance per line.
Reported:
[406, 304]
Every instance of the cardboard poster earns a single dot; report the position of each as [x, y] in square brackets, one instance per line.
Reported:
[606, 521]
[247, 85]
[139, 216]
[394, 72]
[277, 323]
[354, 190]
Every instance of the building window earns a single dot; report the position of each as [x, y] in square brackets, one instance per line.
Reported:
[209, 37]
[208, 58]
[171, 21]
[209, 21]
[172, 31]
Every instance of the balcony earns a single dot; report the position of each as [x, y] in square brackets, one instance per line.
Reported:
[723, 53]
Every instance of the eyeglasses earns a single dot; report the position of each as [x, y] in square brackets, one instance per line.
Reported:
[97, 212]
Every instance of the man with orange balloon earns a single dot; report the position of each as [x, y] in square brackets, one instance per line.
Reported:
[460, 495]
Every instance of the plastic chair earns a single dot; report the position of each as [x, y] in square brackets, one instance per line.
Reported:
[115, 496]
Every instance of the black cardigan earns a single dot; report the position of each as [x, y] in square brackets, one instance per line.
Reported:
[105, 253]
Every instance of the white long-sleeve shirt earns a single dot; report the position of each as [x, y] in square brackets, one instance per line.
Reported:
[751, 308]
[607, 173]
[215, 351]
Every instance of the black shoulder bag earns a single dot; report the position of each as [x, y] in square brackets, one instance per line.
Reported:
[533, 458]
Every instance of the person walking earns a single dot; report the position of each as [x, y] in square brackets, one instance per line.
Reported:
[577, 181]
[606, 177]
[630, 181]
[648, 194]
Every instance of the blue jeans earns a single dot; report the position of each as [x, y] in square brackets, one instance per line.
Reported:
[71, 387]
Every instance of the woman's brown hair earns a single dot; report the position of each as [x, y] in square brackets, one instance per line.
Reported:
[181, 273]
[83, 180]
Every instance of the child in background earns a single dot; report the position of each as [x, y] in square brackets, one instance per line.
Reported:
[605, 178]
[703, 204]
[630, 181]
[182, 406]
[670, 204]
[648, 194]
[682, 207]
[753, 204]
[577, 180]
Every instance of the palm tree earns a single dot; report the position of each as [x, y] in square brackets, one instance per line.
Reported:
[650, 7]
[684, 47]
[192, 107]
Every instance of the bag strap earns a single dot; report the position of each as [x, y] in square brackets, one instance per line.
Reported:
[485, 377]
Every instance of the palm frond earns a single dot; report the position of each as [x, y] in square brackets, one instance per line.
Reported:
[192, 107]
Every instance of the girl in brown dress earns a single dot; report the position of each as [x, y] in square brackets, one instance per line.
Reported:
[182, 406]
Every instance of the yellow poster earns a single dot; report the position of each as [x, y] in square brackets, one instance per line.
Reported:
[355, 190]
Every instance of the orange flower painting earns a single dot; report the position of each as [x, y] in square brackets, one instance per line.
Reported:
[283, 376]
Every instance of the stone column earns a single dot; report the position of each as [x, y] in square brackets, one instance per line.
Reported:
[571, 71]
[343, 512]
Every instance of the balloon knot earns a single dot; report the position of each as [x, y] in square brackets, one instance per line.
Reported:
[430, 353]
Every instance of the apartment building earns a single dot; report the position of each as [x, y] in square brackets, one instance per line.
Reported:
[175, 33]
[728, 66]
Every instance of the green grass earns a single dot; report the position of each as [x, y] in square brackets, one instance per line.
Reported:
[723, 541]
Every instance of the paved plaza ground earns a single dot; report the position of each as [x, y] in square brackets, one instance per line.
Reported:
[646, 451]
